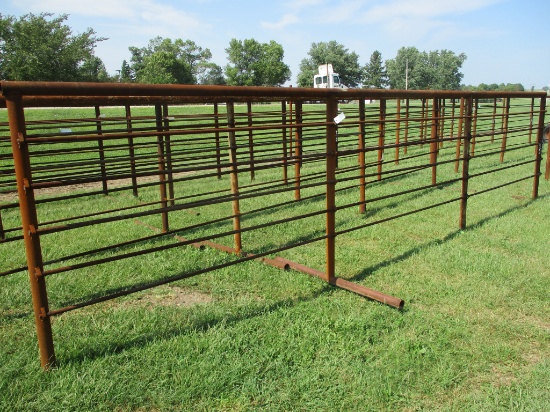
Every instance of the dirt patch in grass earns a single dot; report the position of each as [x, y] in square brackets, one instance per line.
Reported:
[84, 187]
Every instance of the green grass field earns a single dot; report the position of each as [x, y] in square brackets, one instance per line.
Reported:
[474, 334]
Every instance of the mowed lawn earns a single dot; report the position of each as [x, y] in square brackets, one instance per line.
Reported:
[474, 334]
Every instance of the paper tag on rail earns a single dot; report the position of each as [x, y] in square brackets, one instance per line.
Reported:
[339, 118]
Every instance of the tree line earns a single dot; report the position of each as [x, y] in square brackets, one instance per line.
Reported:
[42, 47]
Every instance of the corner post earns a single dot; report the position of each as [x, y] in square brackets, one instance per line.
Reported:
[29, 220]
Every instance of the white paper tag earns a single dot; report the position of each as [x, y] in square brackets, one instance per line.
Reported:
[339, 118]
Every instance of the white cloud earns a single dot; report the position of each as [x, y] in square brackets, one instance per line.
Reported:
[344, 12]
[99, 8]
[286, 20]
[425, 9]
[301, 4]
[153, 14]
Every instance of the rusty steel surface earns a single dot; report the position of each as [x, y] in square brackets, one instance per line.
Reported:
[252, 172]
[46, 93]
[29, 220]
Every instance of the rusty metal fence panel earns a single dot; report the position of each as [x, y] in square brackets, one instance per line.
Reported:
[253, 172]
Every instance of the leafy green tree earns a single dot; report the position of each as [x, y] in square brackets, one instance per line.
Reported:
[444, 69]
[213, 75]
[197, 58]
[434, 70]
[93, 70]
[164, 61]
[515, 87]
[374, 73]
[344, 62]
[39, 47]
[255, 64]
[125, 72]
[163, 67]
[404, 71]
[508, 87]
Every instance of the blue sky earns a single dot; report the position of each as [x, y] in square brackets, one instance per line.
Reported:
[505, 41]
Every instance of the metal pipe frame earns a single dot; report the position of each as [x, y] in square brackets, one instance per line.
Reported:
[161, 151]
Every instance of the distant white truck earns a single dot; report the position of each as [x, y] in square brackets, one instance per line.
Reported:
[326, 78]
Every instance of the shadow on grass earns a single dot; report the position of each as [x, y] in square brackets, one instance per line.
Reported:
[196, 325]
[411, 252]
[203, 325]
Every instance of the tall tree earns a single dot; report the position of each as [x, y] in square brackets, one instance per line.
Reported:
[41, 47]
[125, 72]
[197, 58]
[93, 70]
[167, 61]
[213, 75]
[444, 69]
[402, 71]
[434, 70]
[374, 74]
[344, 62]
[255, 64]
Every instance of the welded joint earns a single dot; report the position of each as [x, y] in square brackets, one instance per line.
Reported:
[20, 139]
[43, 314]
[32, 230]
[38, 273]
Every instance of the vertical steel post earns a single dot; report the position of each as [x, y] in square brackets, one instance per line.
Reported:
[494, 120]
[285, 153]
[361, 147]
[452, 129]
[531, 114]
[250, 140]
[433, 140]
[298, 150]
[547, 171]
[331, 113]
[538, 154]
[505, 128]
[466, 160]
[161, 167]
[2, 233]
[474, 127]
[101, 148]
[406, 137]
[131, 150]
[232, 143]
[217, 141]
[423, 122]
[442, 108]
[381, 136]
[503, 115]
[168, 148]
[397, 130]
[459, 137]
[29, 221]
[291, 131]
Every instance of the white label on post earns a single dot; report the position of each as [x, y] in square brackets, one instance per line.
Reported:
[339, 118]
